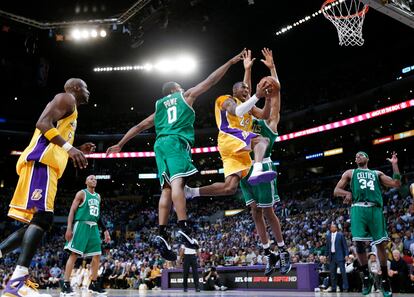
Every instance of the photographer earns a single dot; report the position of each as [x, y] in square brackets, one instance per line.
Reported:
[212, 281]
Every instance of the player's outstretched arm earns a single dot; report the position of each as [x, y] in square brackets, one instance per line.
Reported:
[191, 94]
[340, 187]
[62, 105]
[395, 181]
[134, 131]
[274, 118]
[248, 64]
[80, 196]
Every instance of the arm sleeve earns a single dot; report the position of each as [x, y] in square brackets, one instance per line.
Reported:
[246, 106]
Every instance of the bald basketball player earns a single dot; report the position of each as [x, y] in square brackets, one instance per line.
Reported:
[39, 167]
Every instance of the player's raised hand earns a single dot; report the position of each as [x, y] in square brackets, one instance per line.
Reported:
[78, 158]
[393, 159]
[87, 148]
[113, 149]
[237, 57]
[247, 59]
[268, 58]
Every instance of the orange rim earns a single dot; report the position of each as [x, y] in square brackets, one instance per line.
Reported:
[359, 14]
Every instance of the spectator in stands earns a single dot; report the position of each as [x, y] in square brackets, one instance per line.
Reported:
[407, 257]
[398, 273]
[104, 273]
[132, 277]
[375, 270]
[323, 269]
[143, 275]
[411, 282]
[55, 275]
[117, 271]
[408, 240]
[250, 256]
[155, 278]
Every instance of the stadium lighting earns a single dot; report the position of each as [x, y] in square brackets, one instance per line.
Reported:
[165, 65]
[306, 18]
[148, 67]
[76, 34]
[181, 64]
[85, 34]
[185, 64]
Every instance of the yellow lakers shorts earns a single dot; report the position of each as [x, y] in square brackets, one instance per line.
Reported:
[35, 191]
[237, 162]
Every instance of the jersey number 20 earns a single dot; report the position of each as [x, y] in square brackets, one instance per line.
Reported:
[93, 211]
[172, 114]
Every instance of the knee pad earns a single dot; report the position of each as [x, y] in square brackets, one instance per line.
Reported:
[43, 219]
[360, 247]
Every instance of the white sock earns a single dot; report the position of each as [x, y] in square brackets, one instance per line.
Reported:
[281, 244]
[20, 271]
[196, 192]
[266, 245]
[257, 167]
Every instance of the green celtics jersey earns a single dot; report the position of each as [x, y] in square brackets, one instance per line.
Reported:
[173, 116]
[366, 187]
[261, 127]
[89, 210]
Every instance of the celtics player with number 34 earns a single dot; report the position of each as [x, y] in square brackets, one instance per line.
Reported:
[173, 120]
[83, 239]
[367, 218]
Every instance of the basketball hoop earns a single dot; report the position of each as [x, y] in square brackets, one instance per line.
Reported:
[348, 17]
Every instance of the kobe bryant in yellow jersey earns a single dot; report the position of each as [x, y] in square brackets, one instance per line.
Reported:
[236, 140]
[39, 167]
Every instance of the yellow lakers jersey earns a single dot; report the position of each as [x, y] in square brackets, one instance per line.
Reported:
[225, 120]
[42, 150]
[234, 131]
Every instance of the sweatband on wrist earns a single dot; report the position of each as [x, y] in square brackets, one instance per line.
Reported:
[67, 146]
[396, 176]
[245, 107]
[51, 133]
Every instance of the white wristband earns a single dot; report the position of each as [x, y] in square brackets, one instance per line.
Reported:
[67, 146]
[246, 106]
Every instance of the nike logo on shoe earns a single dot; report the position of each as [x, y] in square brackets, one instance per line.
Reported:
[165, 242]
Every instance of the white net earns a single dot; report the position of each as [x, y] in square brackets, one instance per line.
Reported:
[348, 17]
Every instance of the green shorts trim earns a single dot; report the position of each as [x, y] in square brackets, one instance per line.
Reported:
[173, 157]
[86, 240]
[264, 194]
[368, 224]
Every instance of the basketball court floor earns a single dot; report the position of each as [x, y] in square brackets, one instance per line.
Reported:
[230, 293]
